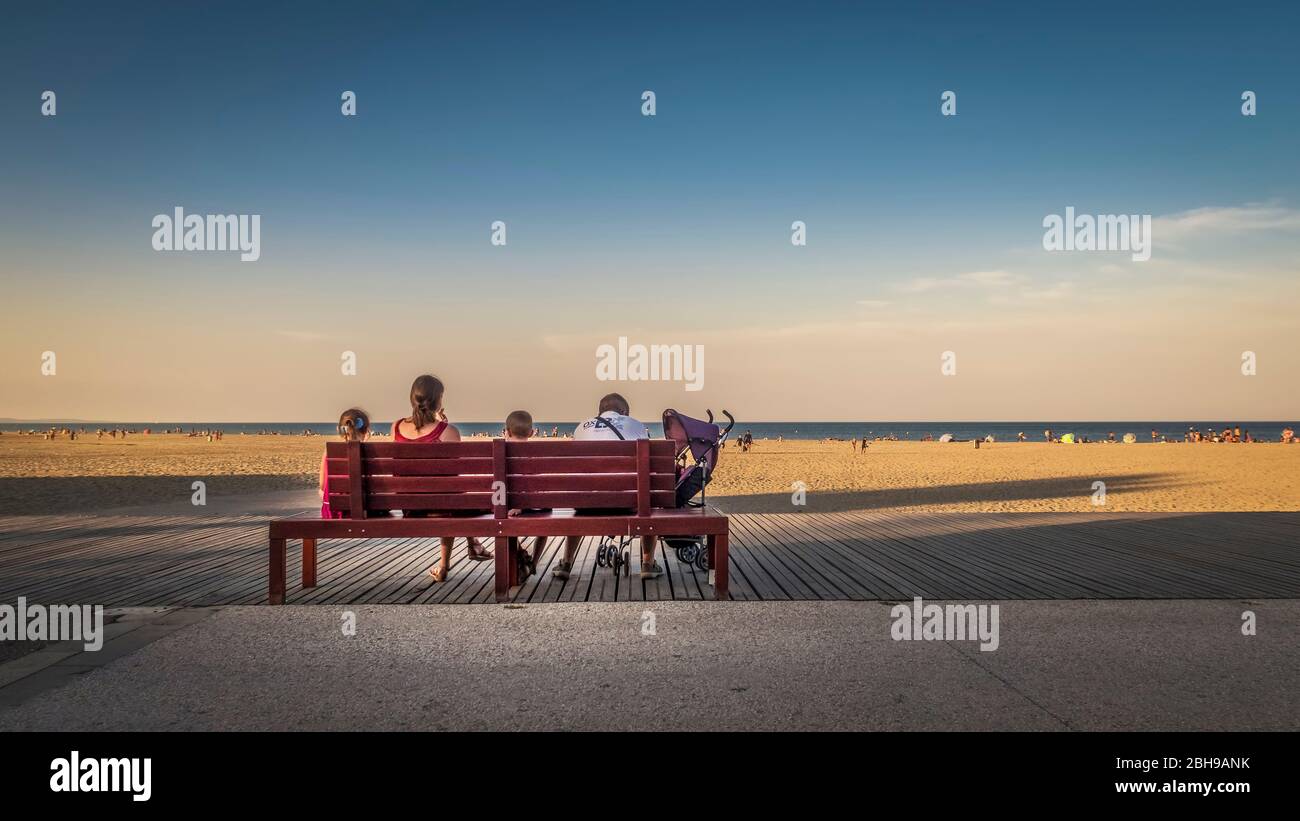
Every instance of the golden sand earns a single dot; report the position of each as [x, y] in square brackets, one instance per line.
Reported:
[1011, 476]
[38, 476]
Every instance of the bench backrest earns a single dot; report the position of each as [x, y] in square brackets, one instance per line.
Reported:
[448, 477]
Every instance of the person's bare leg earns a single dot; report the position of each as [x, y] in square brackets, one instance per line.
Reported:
[439, 573]
[570, 552]
[648, 556]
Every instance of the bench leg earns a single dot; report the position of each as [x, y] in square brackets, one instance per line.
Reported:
[718, 561]
[503, 558]
[277, 571]
[512, 544]
[308, 562]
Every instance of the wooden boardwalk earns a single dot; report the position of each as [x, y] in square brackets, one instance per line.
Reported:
[139, 560]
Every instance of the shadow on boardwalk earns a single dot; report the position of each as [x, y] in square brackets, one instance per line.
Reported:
[214, 559]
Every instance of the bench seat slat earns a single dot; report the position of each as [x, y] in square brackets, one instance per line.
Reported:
[417, 484]
[577, 482]
[659, 448]
[415, 467]
[424, 501]
[427, 450]
[583, 464]
[695, 521]
[622, 499]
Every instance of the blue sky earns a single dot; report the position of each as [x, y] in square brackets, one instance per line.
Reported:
[530, 113]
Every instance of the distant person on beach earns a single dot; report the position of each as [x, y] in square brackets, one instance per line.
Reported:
[354, 426]
[1288, 436]
[613, 420]
[426, 424]
[519, 428]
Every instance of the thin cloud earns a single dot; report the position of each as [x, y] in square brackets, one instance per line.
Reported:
[978, 279]
[1225, 220]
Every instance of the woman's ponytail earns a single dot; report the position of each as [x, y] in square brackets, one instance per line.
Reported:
[426, 400]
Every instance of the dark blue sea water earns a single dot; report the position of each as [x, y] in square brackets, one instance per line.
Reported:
[1002, 431]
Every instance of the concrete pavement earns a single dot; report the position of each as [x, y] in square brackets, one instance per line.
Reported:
[1060, 665]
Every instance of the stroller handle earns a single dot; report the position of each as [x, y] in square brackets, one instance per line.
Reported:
[731, 421]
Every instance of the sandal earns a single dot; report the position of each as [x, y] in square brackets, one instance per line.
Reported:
[526, 565]
[561, 571]
[654, 571]
[438, 573]
[477, 554]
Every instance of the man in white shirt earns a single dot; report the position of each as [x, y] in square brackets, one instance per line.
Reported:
[612, 421]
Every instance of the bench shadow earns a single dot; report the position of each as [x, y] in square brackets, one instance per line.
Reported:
[47, 495]
[837, 501]
[1246, 555]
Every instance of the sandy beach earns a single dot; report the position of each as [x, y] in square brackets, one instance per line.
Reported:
[39, 476]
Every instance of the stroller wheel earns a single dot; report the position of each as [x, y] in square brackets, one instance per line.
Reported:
[615, 561]
[702, 559]
[627, 563]
[680, 557]
[690, 553]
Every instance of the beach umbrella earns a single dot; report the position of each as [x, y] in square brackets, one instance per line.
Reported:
[947, 437]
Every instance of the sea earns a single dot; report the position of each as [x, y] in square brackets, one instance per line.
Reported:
[962, 431]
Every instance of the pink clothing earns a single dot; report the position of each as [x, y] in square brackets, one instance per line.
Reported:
[432, 436]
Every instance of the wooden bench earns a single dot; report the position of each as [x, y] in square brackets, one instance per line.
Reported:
[601, 488]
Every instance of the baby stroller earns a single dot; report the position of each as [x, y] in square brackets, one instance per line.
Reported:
[701, 441]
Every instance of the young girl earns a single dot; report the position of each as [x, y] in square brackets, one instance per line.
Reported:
[354, 426]
[428, 423]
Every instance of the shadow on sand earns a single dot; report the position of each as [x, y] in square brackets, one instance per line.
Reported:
[838, 501]
[46, 495]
